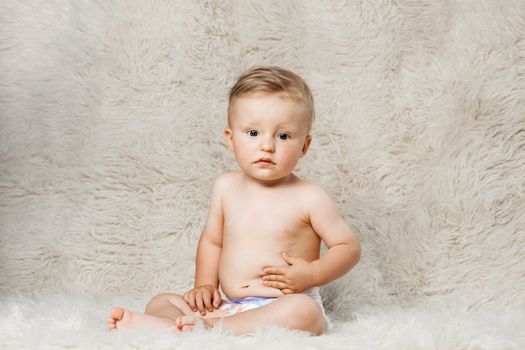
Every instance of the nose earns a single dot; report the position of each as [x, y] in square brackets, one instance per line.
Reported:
[267, 144]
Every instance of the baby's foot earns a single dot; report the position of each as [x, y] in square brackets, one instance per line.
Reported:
[188, 322]
[123, 319]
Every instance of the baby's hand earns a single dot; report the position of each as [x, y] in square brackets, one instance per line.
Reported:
[295, 278]
[202, 298]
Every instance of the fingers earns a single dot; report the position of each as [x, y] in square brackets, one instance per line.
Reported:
[279, 285]
[207, 300]
[217, 300]
[194, 299]
[203, 298]
[279, 278]
[274, 271]
[199, 303]
[284, 287]
[189, 298]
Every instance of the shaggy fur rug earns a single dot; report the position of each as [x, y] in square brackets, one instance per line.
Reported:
[111, 125]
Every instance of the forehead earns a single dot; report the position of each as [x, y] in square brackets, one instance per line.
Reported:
[260, 107]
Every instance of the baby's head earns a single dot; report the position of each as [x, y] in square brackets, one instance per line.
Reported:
[270, 114]
[273, 80]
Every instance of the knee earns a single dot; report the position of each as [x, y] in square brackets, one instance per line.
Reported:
[160, 300]
[305, 314]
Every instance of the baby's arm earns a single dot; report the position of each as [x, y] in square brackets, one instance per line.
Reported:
[205, 294]
[343, 253]
[344, 249]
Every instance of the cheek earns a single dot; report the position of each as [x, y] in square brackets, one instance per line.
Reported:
[291, 154]
[242, 155]
[242, 148]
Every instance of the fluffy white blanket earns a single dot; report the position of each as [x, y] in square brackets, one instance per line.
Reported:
[111, 118]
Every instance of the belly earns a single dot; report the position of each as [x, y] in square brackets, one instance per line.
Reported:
[240, 274]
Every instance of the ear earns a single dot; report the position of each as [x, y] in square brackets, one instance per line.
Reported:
[306, 144]
[229, 138]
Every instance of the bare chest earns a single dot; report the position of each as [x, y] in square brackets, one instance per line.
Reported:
[279, 218]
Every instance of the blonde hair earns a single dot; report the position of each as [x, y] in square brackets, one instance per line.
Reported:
[273, 80]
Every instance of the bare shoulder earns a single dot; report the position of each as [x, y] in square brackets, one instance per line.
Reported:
[313, 194]
[226, 181]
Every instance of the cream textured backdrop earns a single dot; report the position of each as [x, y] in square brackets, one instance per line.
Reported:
[111, 135]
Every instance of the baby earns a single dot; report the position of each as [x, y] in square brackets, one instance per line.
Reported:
[261, 242]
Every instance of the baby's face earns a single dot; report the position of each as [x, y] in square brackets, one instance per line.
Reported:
[268, 134]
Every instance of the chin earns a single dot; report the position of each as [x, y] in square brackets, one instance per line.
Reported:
[270, 178]
[265, 175]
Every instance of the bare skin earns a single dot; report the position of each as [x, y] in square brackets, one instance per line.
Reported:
[170, 308]
[126, 319]
[263, 234]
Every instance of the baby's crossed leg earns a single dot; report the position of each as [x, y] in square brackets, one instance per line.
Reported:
[164, 311]
[292, 311]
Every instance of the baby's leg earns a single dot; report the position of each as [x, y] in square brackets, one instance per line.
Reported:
[121, 318]
[167, 305]
[173, 307]
[164, 311]
[292, 311]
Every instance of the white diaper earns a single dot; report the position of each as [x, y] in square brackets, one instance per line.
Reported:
[316, 295]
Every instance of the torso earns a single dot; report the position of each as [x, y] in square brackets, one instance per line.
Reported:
[259, 224]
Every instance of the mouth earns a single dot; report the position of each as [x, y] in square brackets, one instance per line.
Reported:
[265, 161]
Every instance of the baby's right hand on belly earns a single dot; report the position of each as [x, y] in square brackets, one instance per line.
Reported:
[203, 297]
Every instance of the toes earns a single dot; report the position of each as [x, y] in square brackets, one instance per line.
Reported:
[186, 323]
[112, 325]
[117, 313]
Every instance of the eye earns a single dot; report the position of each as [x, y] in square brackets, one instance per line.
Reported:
[283, 136]
[253, 133]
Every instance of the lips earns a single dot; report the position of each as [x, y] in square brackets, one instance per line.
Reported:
[265, 161]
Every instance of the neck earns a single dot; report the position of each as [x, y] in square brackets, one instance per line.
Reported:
[271, 183]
